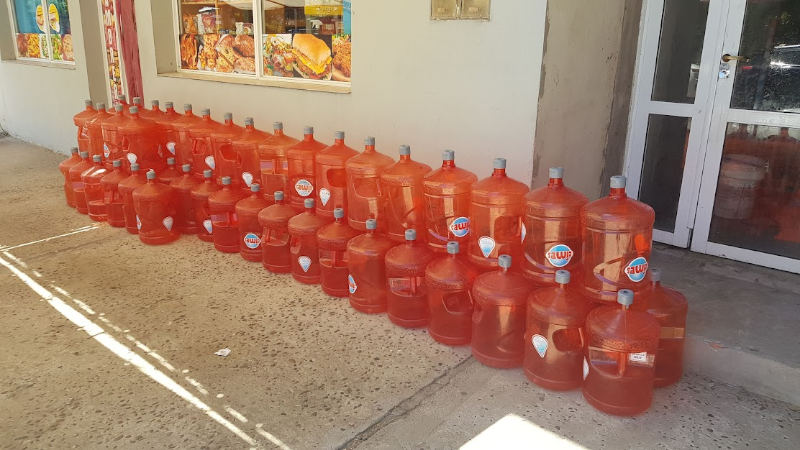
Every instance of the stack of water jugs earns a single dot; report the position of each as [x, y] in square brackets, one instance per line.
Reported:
[543, 279]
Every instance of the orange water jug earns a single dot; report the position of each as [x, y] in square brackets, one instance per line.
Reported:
[365, 198]
[405, 199]
[274, 165]
[498, 321]
[170, 174]
[498, 206]
[670, 308]
[200, 195]
[64, 167]
[111, 195]
[113, 145]
[617, 239]
[554, 335]
[332, 240]
[81, 120]
[250, 230]
[179, 140]
[274, 220]
[301, 160]
[331, 179]
[620, 351]
[155, 212]
[365, 260]
[94, 127]
[93, 190]
[143, 142]
[202, 149]
[224, 221]
[246, 146]
[126, 188]
[406, 297]
[303, 244]
[447, 202]
[227, 162]
[76, 182]
[185, 217]
[552, 230]
[165, 121]
[448, 281]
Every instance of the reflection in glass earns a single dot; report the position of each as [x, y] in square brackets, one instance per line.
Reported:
[680, 45]
[217, 36]
[757, 204]
[662, 168]
[770, 81]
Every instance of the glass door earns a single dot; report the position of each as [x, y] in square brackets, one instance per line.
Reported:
[749, 201]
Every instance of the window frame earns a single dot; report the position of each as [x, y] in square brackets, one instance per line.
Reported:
[12, 16]
[242, 78]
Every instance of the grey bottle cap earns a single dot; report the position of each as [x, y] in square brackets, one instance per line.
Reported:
[309, 203]
[100, 106]
[562, 276]
[411, 234]
[338, 213]
[404, 150]
[228, 116]
[370, 140]
[73, 150]
[170, 161]
[625, 297]
[84, 155]
[504, 261]
[248, 121]
[186, 168]
[226, 181]
[207, 173]
[88, 102]
[205, 112]
[187, 107]
[448, 155]
[116, 163]
[452, 247]
[151, 174]
[372, 224]
[556, 172]
[134, 110]
[308, 130]
[117, 107]
[137, 101]
[135, 167]
[255, 187]
[97, 158]
[277, 125]
[338, 135]
[278, 195]
[499, 163]
[168, 105]
[154, 104]
[655, 274]
[618, 182]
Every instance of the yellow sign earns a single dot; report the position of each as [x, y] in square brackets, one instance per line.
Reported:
[323, 10]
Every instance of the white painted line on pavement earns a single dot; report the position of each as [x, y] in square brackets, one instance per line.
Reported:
[279, 443]
[38, 241]
[196, 385]
[14, 258]
[236, 414]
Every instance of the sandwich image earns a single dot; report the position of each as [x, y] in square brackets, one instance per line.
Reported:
[312, 57]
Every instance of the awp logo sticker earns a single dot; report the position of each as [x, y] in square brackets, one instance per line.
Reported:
[636, 269]
[559, 255]
[304, 188]
[252, 241]
[460, 226]
[351, 284]
[305, 263]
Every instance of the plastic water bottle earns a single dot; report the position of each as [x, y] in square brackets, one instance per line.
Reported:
[64, 167]
[250, 230]
[274, 220]
[224, 220]
[246, 147]
[331, 179]
[407, 298]
[303, 244]
[81, 120]
[200, 196]
[179, 140]
[93, 190]
[228, 163]
[126, 187]
[76, 182]
[113, 141]
[367, 279]
[112, 198]
[199, 135]
[332, 240]
[170, 174]
[617, 239]
[670, 308]
[274, 165]
[94, 127]
[496, 213]
[620, 352]
[365, 198]
[447, 202]
[155, 213]
[405, 195]
[301, 160]
[498, 321]
[554, 335]
[552, 230]
[142, 142]
[448, 280]
[185, 216]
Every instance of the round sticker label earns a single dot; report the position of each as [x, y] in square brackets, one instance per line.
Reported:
[559, 255]
[539, 344]
[460, 226]
[305, 263]
[486, 244]
[304, 188]
[251, 241]
[636, 269]
[324, 196]
[351, 284]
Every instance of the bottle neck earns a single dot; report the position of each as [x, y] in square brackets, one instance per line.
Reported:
[339, 141]
[308, 137]
[555, 182]
[169, 110]
[278, 132]
[188, 113]
[228, 122]
[371, 233]
[499, 173]
[249, 127]
[618, 193]
[448, 163]
[405, 157]
[369, 149]
[208, 181]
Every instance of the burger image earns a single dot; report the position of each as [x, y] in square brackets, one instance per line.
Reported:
[312, 57]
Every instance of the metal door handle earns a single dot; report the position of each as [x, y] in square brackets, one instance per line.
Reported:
[727, 57]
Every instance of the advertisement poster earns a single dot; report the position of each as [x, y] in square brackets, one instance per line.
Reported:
[217, 39]
[35, 19]
[111, 39]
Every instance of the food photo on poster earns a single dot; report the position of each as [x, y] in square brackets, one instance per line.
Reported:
[35, 20]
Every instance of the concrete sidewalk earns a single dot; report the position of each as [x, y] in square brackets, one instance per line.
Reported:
[110, 343]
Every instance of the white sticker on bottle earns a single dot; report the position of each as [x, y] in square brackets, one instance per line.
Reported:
[638, 357]
[540, 344]
[207, 225]
[168, 221]
[132, 158]
[138, 223]
[486, 244]
[351, 284]
[324, 196]
[171, 147]
[247, 177]
[106, 150]
[210, 162]
[305, 263]
[522, 232]
[304, 188]
[585, 368]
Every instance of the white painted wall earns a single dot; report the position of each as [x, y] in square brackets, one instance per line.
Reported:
[466, 85]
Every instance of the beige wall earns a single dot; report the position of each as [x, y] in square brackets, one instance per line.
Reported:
[585, 93]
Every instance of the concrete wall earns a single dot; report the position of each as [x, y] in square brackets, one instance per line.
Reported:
[467, 85]
[37, 101]
[584, 99]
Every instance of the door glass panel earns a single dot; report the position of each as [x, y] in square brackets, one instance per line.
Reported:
[683, 26]
[757, 204]
[662, 169]
[770, 81]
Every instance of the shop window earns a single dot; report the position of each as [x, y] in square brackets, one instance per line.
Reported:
[42, 30]
[293, 41]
